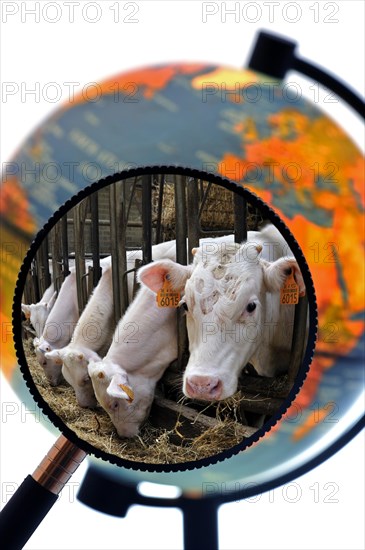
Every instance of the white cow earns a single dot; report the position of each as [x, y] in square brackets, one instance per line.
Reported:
[97, 318]
[38, 313]
[92, 336]
[59, 327]
[232, 298]
[144, 344]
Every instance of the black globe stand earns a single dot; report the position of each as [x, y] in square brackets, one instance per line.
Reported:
[275, 56]
[110, 496]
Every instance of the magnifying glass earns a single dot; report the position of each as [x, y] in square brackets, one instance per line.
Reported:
[317, 216]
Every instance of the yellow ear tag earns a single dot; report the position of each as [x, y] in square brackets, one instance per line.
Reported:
[289, 294]
[166, 296]
[128, 391]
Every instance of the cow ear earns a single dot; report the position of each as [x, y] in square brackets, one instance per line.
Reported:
[55, 355]
[51, 301]
[275, 274]
[94, 366]
[119, 387]
[91, 355]
[26, 310]
[154, 274]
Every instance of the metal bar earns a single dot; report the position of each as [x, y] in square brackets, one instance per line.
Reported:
[114, 252]
[181, 219]
[43, 264]
[298, 340]
[193, 216]
[55, 246]
[38, 272]
[121, 244]
[147, 219]
[79, 217]
[136, 285]
[47, 273]
[204, 198]
[240, 227]
[66, 269]
[159, 209]
[131, 197]
[32, 289]
[181, 257]
[27, 294]
[95, 241]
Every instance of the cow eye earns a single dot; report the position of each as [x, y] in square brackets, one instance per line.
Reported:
[251, 307]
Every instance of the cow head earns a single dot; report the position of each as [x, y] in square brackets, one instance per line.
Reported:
[74, 369]
[126, 404]
[225, 301]
[51, 365]
[38, 313]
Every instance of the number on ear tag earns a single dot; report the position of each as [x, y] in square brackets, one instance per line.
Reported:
[289, 294]
[166, 296]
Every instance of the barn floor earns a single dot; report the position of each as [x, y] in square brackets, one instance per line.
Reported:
[154, 445]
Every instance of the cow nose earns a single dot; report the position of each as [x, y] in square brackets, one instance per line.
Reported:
[204, 387]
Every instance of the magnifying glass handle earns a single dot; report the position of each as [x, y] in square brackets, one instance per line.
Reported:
[37, 494]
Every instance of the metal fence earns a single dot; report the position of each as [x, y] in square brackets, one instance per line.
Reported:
[137, 213]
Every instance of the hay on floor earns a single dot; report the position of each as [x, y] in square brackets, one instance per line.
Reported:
[154, 445]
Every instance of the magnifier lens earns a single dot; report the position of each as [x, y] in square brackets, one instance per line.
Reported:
[179, 361]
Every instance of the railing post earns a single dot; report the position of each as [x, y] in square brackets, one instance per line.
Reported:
[298, 340]
[118, 249]
[181, 258]
[193, 216]
[114, 251]
[55, 246]
[240, 226]
[79, 214]
[94, 207]
[66, 269]
[159, 209]
[147, 219]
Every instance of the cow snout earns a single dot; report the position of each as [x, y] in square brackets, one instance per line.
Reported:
[207, 388]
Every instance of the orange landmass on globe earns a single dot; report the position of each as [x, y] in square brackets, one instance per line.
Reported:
[328, 170]
[148, 81]
[7, 354]
[14, 204]
[228, 83]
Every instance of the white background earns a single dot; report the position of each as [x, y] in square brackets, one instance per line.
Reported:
[83, 52]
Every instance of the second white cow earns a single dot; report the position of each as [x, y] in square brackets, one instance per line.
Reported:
[144, 344]
[92, 336]
[59, 327]
[232, 298]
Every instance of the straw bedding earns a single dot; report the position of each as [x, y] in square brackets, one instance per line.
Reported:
[154, 445]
